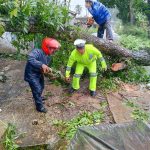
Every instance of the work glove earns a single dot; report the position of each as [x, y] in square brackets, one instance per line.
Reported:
[104, 69]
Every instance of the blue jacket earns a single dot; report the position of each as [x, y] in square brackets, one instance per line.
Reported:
[34, 64]
[99, 12]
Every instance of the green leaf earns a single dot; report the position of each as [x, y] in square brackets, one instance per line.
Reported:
[14, 13]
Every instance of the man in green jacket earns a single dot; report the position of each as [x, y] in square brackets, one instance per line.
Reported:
[85, 55]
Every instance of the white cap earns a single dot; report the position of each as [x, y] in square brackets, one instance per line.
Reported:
[79, 43]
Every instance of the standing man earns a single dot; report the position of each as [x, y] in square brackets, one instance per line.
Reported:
[102, 17]
[37, 65]
[85, 55]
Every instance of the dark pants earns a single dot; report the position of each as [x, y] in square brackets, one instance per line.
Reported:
[37, 87]
[106, 25]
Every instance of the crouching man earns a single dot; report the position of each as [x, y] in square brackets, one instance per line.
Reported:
[85, 55]
[36, 67]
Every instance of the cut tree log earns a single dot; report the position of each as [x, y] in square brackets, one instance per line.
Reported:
[118, 66]
[142, 57]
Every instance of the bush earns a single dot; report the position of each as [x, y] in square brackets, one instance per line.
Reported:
[134, 74]
[134, 30]
[134, 43]
[61, 57]
[1, 30]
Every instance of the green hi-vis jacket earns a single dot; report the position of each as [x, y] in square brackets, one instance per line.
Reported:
[91, 54]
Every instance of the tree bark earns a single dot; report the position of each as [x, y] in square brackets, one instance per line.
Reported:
[149, 21]
[141, 57]
[132, 17]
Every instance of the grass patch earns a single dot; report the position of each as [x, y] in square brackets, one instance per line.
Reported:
[109, 84]
[134, 42]
[134, 37]
[137, 112]
[9, 138]
[67, 129]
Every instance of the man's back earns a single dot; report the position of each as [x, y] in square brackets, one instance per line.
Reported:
[99, 12]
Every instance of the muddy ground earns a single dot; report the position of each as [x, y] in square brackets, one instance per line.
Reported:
[17, 105]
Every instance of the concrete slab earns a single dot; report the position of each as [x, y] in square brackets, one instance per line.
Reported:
[136, 93]
[120, 112]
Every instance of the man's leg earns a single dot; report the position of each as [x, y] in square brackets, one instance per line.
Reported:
[100, 32]
[42, 87]
[37, 91]
[93, 78]
[109, 33]
[77, 76]
[42, 83]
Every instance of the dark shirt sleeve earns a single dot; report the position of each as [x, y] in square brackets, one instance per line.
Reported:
[33, 59]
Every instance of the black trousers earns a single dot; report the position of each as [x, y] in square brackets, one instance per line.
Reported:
[37, 87]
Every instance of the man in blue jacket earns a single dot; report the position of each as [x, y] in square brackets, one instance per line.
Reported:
[37, 65]
[102, 17]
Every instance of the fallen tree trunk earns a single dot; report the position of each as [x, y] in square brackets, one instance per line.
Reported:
[142, 57]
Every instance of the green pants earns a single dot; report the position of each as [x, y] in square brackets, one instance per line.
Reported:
[93, 75]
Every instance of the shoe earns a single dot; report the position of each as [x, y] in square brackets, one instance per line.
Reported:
[42, 110]
[44, 98]
[72, 90]
[93, 93]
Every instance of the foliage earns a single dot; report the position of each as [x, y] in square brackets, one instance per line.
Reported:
[134, 74]
[45, 14]
[110, 80]
[143, 6]
[61, 57]
[9, 138]
[139, 32]
[1, 30]
[124, 7]
[134, 43]
[141, 19]
[14, 56]
[69, 128]
[138, 113]
[107, 84]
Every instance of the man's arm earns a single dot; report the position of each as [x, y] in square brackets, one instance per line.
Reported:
[33, 59]
[100, 57]
[69, 65]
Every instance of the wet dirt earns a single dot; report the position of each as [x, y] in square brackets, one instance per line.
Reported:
[17, 105]
[36, 128]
